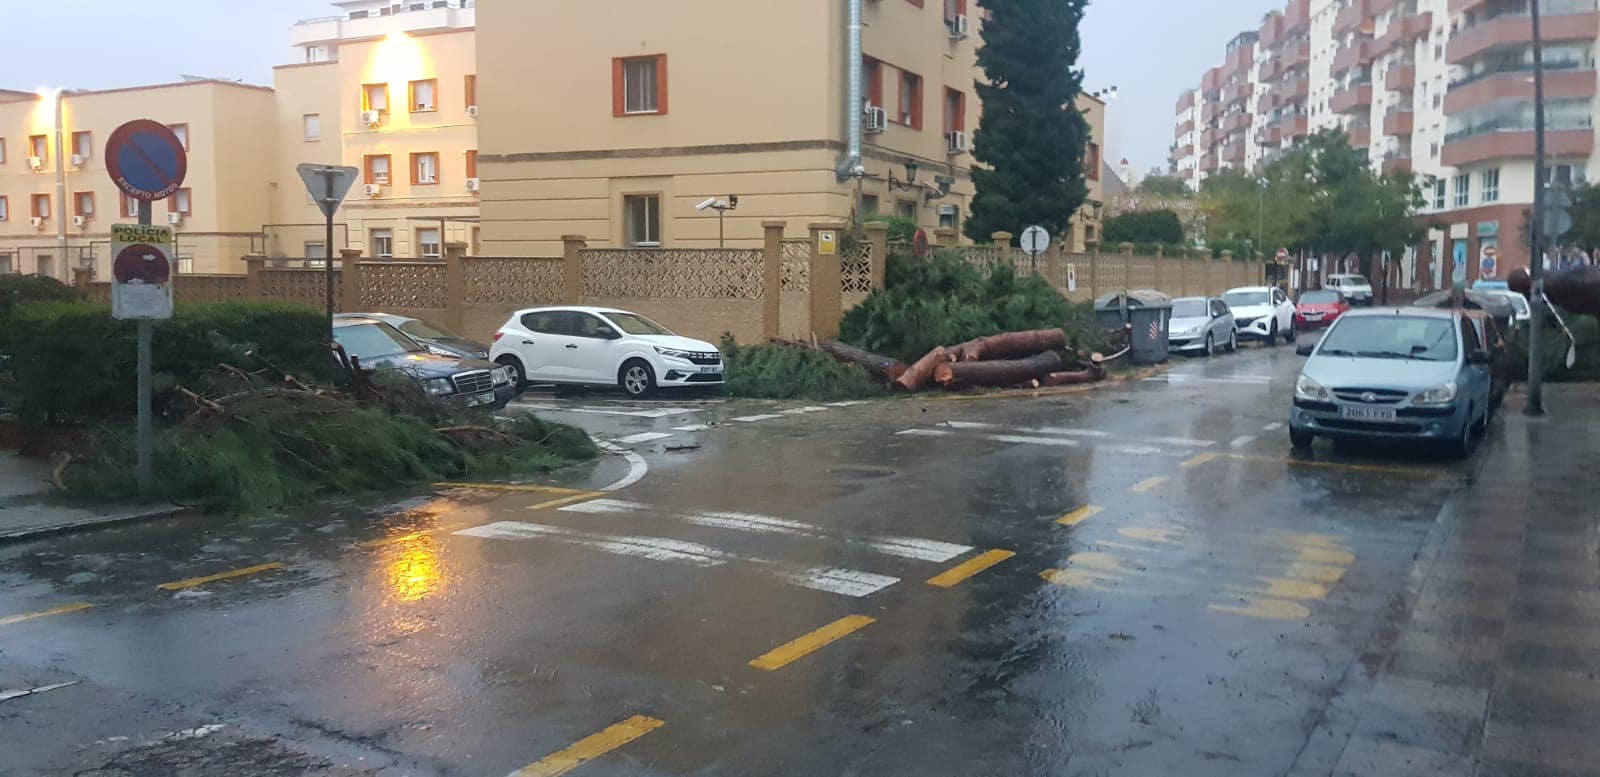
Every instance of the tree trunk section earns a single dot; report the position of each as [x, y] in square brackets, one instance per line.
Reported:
[1011, 345]
[920, 374]
[998, 373]
[881, 367]
[1088, 375]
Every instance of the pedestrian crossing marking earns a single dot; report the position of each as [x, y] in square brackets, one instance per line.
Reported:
[1079, 515]
[590, 747]
[967, 569]
[1150, 484]
[634, 439]
[800, 647]
[1268, 609]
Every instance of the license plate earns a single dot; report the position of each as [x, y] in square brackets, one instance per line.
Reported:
[710, 370]
[1313, 316]
[481, 399]
[1367, 413]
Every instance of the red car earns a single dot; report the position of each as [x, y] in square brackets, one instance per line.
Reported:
[1318, 309]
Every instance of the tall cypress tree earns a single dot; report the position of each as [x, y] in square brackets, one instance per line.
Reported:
[1031, 137]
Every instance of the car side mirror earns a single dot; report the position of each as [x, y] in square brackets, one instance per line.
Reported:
[1479, 356]
[608, 333]
[1305, 349]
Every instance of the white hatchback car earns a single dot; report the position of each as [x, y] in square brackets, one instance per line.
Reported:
[585, 346]
[1354, 288]
[1262, 313]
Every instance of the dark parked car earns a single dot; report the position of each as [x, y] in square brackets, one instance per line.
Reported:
[466, 382]
[433, 337]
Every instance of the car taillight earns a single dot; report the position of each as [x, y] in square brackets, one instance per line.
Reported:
[497, 336]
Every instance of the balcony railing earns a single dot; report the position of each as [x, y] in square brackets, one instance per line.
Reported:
[1563, 20]
[1351, 98]
[1564, 84]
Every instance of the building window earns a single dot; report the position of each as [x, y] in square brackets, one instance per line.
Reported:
[185, 263]
[1566, 175]
[639, 85]
[428, 243]
[1491, 185]
[312, 124]
[82, 145]
[910, 99]
[182, 131]
[181, 203]
[906, 208]
[424, 96]
[83, 204]
[39, 206]
[46, 265]
[425, 168]
[869, 204]
[950, 217]
[874, 78]
[130, 207]
[1463, 190]
[641, 215]
[472, 163]
[1439, 192]
[5, 209]
[470, 87]
[375, 97]
[1091, 162]
[6, 264]
[2, 151]
[955, 111]
[39, 147]
[378, 169]
[383, 243]
[317, 250]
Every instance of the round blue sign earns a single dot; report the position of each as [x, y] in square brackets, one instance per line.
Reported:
[147, 160]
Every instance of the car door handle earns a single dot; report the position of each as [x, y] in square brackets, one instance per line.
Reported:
[572, 347]
[529, 342]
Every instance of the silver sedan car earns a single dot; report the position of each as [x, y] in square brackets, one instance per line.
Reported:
[1201, 325]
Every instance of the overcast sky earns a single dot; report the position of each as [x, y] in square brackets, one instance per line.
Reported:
[1149, 49]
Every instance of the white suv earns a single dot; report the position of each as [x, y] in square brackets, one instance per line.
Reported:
[1354, 288]
[602, 347]
[1262, 313]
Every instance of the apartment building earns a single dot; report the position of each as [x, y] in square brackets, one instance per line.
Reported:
[57, 203]
[662, 107]
[1438, 88]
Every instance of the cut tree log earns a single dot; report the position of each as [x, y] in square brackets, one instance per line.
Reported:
[1093, 374]
[880, 367]
[998, 373]
[919, 375]
[1011, 345]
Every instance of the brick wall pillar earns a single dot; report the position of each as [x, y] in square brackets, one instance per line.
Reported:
[1094, 271]
[82, 277]
[572, 267]
[772, 277]
[254, 266]
[944, 237]
[878, 236]
[455, 286]
[350, 258]
[826, 295]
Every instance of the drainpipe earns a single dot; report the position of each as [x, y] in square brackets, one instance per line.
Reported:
[850, 165]
[61, 209]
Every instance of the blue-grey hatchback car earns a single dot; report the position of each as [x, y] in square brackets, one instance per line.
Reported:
[1394, 374]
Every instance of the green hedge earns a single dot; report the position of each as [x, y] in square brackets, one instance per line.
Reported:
[17, 289]
[71, 363]
[783, 372]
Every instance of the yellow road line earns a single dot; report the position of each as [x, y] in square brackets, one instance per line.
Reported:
[579, 497]
[1204, 458]
[513, 488]
[591, 747]
[1267, 609]
[1150, 484]
[783, 655]
[954, 575]
[1079, 515]
[1427, 471]
[7, 620]
[192, 582]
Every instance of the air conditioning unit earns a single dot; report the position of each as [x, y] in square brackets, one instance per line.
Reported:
[372, 118]
[36, 221]
[374, 189]
[960, 143]
[472, 111]
[174, 218]
[78, 160]
[37, 163]
[876, 120]
[424, 107]
[960, 27]
[80, 221]
[472, 184]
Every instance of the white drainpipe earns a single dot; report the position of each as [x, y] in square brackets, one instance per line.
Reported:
[850, 165]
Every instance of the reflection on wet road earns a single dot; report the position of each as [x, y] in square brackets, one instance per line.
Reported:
[1137, 581]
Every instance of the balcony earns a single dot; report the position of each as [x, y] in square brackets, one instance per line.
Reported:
[1270, 136]
[1296, 55]
[1466, 149]
[1233, 153]
[1208, 138]
[1351, 57]
[1296, 17]
[1269, 70]
[1185, 128]
[1236, 92]
[1517, 30]
[1186, 102]
[1293, 91]
[1396, 162]
[336, 29]
[1352, 99]
[1403, 31]
[1208, 114]
[1360, 136]
[1401, 78]
[1235, 122]
[1518, 85]
[1183, 152]
[1211, 81]
[1354, 16]
[1271, 31]
[1292, 127]
[1399, 123]
[1186, 173]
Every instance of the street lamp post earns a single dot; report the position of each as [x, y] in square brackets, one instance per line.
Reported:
[1535, 404]
[61, 191]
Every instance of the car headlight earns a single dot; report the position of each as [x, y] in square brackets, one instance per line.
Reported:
[437, 351]
[673, 353]
[502, 375]
[1310, 390]
[1438, 395]
[439, 386]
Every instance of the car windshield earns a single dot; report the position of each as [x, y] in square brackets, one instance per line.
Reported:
[1241, 299]
[1319, 298]
[1352, 280]
[371, 341]
[635, 324]
[1519, 302]
[1189, 308]
[428, 331]
[1398, 337]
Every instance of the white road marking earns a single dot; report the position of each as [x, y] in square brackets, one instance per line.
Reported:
[904, 547]
[533, 406]
[967, 425]
[1186, 442]
[834, 580]
[1095, 434]
[843, 404]
[1272, 427]
[1070, 432]
[634, 439]
[637, 467]
[660, 413]
[805, 410]
[1014, 438]
[751, 419]
[1230, 380]
[692, 428]
[17, 694]
[1240, 442]
[923, 433]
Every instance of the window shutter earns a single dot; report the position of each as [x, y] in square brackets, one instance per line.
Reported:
[661, 84]
[618, 83]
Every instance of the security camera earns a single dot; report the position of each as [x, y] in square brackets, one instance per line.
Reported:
[710, 203]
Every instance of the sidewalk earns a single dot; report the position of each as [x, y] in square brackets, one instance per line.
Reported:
[1494, 669]
[28, 509]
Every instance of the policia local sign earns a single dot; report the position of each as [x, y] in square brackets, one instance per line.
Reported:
[141, 271]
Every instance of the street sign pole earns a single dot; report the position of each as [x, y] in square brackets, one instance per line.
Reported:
[328, 185]
[1535, 406]
[145, 468]
[328, 176]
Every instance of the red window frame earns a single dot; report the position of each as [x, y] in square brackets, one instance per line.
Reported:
[416, 162]
[5, 208]
[472, 163]
[619, 94]
[181, 129]
[874, 79]
[954, 8]
[130, 207]
[39, 143]
[469, 88]
[918, 85]
[1091, 161]
[388, 168]
[366, 98]
[78, 198]
[955, 111]
[185, 194]
[33, 206]
[87, 135]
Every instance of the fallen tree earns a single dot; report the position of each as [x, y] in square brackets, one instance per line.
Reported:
[1010, 372]
[921, 374]
[1011, 345]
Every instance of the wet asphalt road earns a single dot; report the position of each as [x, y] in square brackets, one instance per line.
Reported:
[1134, 581]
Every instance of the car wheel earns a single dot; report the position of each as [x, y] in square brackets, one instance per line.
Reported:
[637, 379]
[1233, 341]
[516, 366]
[1462, 446]
[1272, 336]
[1211, 345]
[1289, 336]
[1301, 440]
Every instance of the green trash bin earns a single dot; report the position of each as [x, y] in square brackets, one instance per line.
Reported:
[1148, 311]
